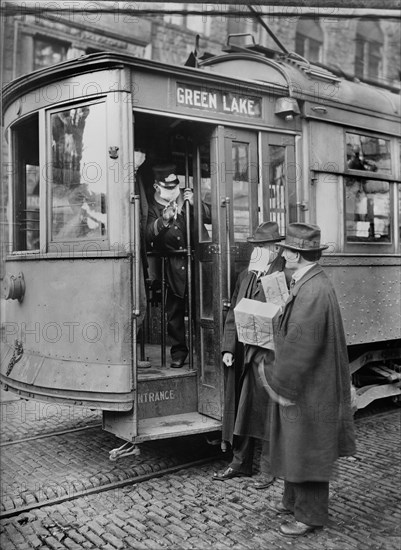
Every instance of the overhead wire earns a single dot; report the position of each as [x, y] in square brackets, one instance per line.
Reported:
[9, 10]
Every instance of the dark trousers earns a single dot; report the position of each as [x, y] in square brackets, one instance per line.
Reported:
[309, 501]
[175, 310]
[243, 450]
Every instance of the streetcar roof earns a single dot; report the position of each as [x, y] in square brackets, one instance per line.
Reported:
[305, 81]
[284, 76]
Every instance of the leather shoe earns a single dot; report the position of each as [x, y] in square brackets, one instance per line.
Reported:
[229, 473]
[177, 364]
[295, 528]
[263, 482]
[278, 507]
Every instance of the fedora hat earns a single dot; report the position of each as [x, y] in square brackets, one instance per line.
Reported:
[165, 175]
[303, 237]
[266, 232]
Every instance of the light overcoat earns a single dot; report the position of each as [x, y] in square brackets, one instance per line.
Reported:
[311, 369]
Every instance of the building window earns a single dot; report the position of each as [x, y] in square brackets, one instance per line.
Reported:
[368, 50]
[309, 40]
[48, 52]
[196, 23]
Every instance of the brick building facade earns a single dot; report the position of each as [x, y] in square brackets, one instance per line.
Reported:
[32, 39]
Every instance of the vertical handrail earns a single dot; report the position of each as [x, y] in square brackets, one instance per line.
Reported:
[227, 203]
[137, 252]
[163, 312]
[135, 275]
[189, 259]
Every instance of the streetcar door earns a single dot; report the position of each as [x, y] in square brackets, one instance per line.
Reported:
[227, 172]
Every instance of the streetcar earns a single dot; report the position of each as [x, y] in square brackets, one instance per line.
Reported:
[257, 136]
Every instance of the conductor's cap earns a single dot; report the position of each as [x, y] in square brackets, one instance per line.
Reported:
[165, 175]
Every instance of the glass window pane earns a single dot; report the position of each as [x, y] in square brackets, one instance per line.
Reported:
[368, 153]
[300, 44]
[277, 186]
[241, 206]
[399, 212]
[367, 208]
[205, 229]
[48, 52]
[206, 295]
[79, 183]
[374, 60]
[208, 364]
[314, 50]
[359, 57]
[32, 206]
[26, 185]
[174, 19]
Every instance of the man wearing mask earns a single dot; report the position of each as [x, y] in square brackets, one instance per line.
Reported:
[309, 384]
[167, 232]
[245, 403]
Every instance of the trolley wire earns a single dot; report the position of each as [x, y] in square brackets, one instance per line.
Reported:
[292, 12]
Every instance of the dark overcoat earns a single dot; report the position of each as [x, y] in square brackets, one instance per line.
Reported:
[254, 401]
[172, 238]
[311, 369]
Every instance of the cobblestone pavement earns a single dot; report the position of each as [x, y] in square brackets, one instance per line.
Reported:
[187, 509]
[70, 462]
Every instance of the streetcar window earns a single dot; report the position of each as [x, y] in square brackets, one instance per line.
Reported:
[26, 185]
[205, 229]
[241, 205]
[78, 173]
[277, 183]
[399, 212]
[367, 207]
[368, 153]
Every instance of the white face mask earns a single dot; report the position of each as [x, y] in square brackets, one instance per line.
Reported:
[168, 194]
[261, 258]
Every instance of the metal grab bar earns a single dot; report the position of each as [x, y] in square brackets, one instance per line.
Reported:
[137, 252]
[135, 274]
[227, 204]
[189, 282]
[163, 313]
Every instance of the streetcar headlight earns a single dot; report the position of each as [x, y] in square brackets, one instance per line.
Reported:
[287, 108]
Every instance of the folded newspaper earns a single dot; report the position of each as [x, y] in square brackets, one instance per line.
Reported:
[254, 322]
[275, 288]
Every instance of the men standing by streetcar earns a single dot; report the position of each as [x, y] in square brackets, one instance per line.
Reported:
[245, 402]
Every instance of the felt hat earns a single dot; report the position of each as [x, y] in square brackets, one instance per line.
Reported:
[303, 237]
[165, 175]
[266, 232]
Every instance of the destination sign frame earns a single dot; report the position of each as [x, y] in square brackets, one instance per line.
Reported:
[215, 100]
